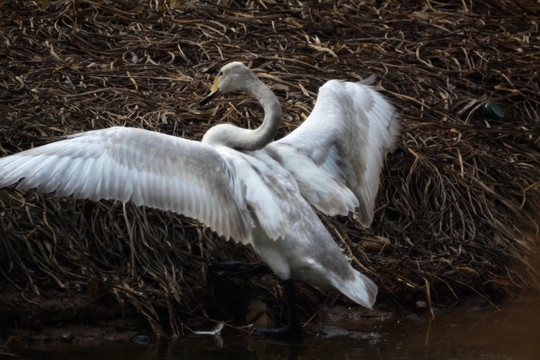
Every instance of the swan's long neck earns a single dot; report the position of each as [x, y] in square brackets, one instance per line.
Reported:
[265, 133]
[245, 139]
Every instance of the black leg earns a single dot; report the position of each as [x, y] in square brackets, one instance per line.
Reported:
[244, 270]
[239, 269]
[293, 327]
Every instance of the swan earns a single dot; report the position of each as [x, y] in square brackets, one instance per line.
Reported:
[239, 182]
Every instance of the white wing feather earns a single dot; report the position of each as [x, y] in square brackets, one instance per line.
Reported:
[271, 192]
[337, 154]
[144, 167]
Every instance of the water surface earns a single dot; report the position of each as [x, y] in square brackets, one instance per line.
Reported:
[511, 334]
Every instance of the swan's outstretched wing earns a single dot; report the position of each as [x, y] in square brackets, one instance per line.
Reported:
[337, 154]
[145, 167]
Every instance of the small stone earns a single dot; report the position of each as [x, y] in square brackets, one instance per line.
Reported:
[421, 304]
[258, 314]
[141, 339]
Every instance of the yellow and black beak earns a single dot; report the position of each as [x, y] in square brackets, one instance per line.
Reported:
[211, 93]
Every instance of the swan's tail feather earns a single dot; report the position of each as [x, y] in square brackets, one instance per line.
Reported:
[361, 290]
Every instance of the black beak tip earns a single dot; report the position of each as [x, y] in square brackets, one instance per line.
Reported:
[207, 98]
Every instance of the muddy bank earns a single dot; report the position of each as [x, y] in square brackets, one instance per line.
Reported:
[80, 319]
[65, 318]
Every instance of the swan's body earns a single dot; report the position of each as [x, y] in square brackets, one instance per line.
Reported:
[238, 182]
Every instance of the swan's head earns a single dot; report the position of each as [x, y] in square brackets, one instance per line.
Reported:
[234, 76]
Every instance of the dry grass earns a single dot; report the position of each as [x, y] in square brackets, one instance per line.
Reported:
[459, 201]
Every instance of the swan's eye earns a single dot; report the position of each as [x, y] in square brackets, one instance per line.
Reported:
[220, 73]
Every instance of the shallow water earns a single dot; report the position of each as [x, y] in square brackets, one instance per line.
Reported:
[511, 334]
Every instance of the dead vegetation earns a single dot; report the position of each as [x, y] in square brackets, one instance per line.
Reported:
[460, 197]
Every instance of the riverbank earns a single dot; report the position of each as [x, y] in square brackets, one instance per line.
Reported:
[457, 212]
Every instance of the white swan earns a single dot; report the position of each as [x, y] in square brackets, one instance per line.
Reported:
[237, 181]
